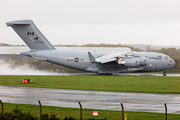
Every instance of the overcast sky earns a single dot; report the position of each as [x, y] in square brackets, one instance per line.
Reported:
[155, 22]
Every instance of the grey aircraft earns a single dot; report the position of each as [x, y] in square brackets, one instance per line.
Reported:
[97, 62]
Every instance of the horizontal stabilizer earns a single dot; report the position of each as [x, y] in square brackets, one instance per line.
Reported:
[18, 23]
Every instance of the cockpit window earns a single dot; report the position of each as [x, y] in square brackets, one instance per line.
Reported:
[167, 57]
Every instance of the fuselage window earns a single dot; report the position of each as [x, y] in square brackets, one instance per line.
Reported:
[159, 57]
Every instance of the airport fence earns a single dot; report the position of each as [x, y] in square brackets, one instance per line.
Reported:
[124, 116]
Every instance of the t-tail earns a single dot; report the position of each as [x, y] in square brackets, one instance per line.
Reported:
[30, 34]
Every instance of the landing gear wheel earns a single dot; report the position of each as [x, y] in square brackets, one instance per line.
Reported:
[108, 74]
[164, 73]
[105, 73]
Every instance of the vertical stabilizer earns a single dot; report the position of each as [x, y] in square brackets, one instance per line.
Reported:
[30, 34]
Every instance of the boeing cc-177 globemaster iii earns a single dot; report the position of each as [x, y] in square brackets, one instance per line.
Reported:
[97, 62]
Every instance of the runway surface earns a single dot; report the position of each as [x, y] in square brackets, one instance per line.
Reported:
[160, 75]
[123, 74]
[133, 74]
[91, 99]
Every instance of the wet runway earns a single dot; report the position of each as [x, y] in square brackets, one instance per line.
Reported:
[91, 99]
[159, 75]
[123, 74]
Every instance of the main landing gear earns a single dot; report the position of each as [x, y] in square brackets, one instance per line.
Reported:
[164, 73]
[105, 73]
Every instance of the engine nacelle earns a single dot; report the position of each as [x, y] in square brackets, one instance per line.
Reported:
[133, 63]
[142, 61]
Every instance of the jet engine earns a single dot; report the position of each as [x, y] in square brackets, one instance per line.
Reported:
[142, 61]
[132, 62]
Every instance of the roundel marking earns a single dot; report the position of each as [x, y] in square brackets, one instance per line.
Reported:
[76, 59]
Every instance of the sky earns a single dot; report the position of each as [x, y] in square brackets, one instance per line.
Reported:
[152, 22]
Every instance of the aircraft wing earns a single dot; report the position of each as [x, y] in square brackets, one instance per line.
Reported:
[107, 60]
[112, 57]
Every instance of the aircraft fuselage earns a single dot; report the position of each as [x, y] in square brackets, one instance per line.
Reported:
[80, 60]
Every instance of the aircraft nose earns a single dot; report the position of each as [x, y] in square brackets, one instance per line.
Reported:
[173, 63]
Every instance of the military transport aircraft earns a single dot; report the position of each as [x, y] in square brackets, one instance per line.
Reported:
[97, 62]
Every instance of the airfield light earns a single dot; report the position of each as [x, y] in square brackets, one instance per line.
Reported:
[95, 113]
[25, 81]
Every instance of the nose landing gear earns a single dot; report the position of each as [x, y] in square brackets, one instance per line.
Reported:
[164, 73]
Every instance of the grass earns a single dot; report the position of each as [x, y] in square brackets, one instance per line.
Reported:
[143, 84]
[87, 113]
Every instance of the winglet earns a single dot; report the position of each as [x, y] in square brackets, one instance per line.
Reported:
[91, 58]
